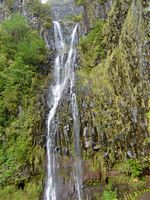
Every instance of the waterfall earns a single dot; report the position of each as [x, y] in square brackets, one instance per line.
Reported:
[23, 10]
[76, 123]
[63, 76]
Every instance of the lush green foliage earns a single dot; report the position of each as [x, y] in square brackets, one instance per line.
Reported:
[131, 167]
[21, 59]
[91, 46]
[109, 194]
[31, 192]
[134, 167]
[40, 12]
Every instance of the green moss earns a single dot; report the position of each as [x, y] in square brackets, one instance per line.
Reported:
[80, 2]
[115, 22]
[90, 46]
[114, 81]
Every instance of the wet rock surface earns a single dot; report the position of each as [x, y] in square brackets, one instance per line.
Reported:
[65, 11]
[94, 11]
[145, 196]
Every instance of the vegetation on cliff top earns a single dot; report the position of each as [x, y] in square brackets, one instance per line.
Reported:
[41, 12]
[36, 12]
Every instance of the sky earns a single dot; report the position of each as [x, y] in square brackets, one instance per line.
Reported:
[44, 1]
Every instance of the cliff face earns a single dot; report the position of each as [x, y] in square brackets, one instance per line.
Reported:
[94, 10]
[113, 85]
[119, 93]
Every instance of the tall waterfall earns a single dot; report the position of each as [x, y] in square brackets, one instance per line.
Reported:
[76, 124]
[63, 76]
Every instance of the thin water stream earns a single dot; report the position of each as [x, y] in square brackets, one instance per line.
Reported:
[62, 76]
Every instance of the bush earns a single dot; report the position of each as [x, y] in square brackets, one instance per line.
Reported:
[109, 194]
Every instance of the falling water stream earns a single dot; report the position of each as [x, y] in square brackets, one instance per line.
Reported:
[63, 76]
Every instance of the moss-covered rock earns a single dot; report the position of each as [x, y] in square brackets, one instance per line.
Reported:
[113, 86]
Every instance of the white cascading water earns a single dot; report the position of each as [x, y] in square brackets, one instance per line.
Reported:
[63, 75]
[76, 123]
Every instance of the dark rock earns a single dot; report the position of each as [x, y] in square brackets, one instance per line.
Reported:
[21, 185]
